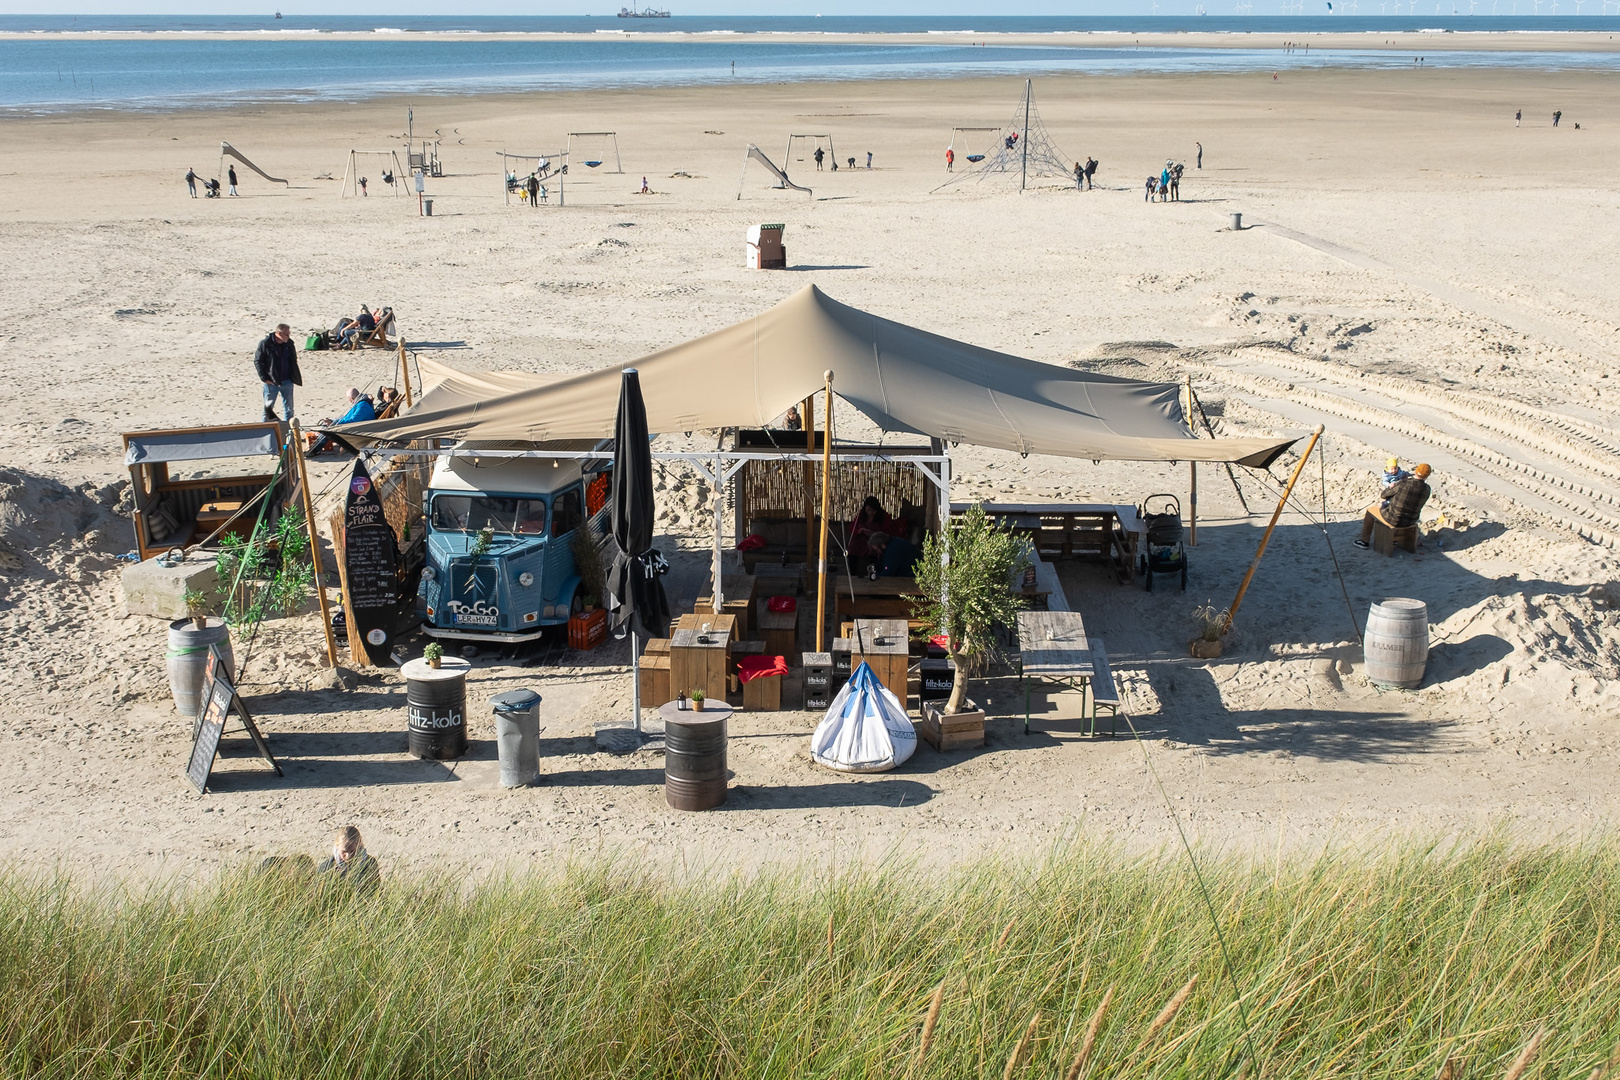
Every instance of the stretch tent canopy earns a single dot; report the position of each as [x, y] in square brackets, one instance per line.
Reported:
[903, 379]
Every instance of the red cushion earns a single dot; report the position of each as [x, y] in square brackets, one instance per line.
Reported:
[782, 603]
[750, 668]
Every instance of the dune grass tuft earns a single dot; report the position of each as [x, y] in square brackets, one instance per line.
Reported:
[1502, 960]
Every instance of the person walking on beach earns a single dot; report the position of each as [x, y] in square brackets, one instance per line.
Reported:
[1200, 154]
[820, 154]
[950, 159]
[276, 361]
[1091, 171]
[533, 185]
[232, 173]
[1164, 183]
[869, 159]
[1557, 116]
[191, 182]
[1175, 182]
[1518, 114]
[1079, 177]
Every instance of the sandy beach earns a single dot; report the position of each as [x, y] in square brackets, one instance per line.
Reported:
[1416, 273]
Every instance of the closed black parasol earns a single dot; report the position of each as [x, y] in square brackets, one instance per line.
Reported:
[636, 596]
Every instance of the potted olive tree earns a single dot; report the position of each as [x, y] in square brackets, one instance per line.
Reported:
[966, 576]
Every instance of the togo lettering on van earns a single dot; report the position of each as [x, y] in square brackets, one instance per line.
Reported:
[478, 614]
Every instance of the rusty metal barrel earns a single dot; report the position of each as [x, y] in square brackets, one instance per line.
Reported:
[695, 756]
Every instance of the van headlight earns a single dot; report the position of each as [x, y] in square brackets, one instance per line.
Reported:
[429, 573]
[525, 579]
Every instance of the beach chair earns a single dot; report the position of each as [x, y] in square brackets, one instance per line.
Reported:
[378, 338]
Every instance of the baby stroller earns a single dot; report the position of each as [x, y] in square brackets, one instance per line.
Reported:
[1164, 553]
[210, 189]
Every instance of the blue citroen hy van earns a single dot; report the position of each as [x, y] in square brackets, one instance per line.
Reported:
[527, 579]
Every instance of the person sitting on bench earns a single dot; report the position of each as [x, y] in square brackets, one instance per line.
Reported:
[896, 556]
[1399, 507]
[360, 408]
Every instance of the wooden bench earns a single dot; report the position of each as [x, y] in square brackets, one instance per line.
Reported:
[1104, 694]
[1386, 537]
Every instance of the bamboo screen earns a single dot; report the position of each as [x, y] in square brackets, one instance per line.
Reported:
[776, 489]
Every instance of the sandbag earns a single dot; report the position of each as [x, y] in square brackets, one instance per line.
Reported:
[866, 728]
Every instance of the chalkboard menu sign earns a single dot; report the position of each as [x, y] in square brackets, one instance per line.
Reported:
[370, 567]
[219, 700]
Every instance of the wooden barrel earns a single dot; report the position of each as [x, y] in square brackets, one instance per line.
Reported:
[187, 657]
[1397, 642]
[436, 704]
[695, 759]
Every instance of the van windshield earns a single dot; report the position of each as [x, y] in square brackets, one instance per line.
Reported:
[472, 513]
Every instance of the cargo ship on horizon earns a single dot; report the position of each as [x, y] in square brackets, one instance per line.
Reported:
[642, 13]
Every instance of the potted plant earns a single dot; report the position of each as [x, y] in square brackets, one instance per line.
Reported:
[966, 576]
[197, 605]
[697, 700]
[1212, 627]
[588, 602]
[433, 654]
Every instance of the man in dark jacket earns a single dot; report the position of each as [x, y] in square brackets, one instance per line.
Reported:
[277, 362]
[1401, 504]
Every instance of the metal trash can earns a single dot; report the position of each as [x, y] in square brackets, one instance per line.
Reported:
[427, 207]
[517, 736]
[1237, 222]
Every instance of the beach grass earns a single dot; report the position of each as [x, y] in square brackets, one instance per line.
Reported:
[1087, 963]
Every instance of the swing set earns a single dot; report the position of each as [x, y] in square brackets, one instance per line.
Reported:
[352, 177]
[807, 146]
[596, 144]
[547, 167]
[976, 142]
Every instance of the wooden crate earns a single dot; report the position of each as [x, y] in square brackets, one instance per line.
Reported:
[587, 630]
[658, 646]
[956, 732]
[695, 665]
[884, 646]
[655, 680]
[763, 694]
[780, 630]
[736, 607]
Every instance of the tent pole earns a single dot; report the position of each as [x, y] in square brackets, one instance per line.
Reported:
[826, 476]
[314, 543]
[807, 419]
[1231, 612]
[405, 372]
[1192, 475]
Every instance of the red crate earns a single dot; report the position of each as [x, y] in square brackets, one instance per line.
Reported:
[588, 629]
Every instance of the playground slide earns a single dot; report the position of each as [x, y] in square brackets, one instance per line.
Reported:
[227, 150]
[782, 180]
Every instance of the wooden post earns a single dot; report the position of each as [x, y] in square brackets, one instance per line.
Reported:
[1275, 514]
[405, 372]
[1192, 475]
[826, 478]
[1192, 504]
[314, 543]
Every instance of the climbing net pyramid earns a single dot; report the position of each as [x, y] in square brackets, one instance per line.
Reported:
[1032, 154]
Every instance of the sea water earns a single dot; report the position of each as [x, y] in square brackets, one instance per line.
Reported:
[153, 62]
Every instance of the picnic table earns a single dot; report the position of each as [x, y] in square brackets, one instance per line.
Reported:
[1103, 531]
[1054, 646]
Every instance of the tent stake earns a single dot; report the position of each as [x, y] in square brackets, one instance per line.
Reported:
[1231, 612]
[826, 475]
[314, 543]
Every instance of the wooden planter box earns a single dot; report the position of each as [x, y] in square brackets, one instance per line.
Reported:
[951, 732]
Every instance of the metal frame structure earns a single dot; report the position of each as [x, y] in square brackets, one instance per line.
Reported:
[1033, 150]
[992, 132]
[351, 171]
[560, 172]
[815, 141]
[612, 136]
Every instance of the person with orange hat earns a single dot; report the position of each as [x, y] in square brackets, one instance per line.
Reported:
[1399, 506]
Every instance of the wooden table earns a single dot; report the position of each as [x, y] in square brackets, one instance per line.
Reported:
[720, 624]
[1054, 646]
[1102, 531]
[697, 661]
[884, 645]
[884, 598]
